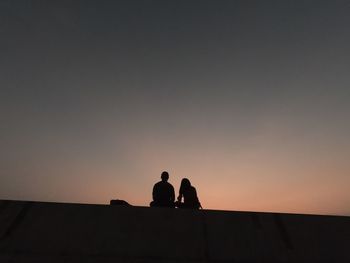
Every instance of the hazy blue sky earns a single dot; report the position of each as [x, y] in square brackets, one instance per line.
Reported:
[247, 99]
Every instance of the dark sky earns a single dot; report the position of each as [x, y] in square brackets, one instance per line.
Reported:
[248, 99]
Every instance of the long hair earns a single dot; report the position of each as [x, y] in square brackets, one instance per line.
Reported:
[185, 184]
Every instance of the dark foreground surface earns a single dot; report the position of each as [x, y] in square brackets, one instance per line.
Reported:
[58, 232]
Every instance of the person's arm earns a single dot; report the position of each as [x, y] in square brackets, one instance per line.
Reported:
[172, 199]
[180, 195]
[154, 193]
[199, 203]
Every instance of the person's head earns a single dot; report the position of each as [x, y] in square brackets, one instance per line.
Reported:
[165, 176]
[185, 184]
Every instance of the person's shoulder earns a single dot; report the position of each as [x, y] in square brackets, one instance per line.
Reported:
[169, 185]
[158, 183]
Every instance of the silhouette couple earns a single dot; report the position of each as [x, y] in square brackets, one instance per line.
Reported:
[164, 194]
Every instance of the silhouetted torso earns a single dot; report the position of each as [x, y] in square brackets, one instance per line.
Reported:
[190, 198]
[163, 194]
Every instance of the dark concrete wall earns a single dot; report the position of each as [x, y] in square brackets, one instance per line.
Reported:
[56, 232]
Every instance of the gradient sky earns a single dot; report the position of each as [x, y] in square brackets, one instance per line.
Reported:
[247, 99]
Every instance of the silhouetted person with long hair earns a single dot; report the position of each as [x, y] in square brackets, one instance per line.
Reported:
[189, 194]
[163, 193]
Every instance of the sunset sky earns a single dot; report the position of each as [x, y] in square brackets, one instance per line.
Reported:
[247, 99]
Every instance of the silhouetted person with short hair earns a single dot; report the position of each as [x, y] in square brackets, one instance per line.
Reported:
[189, 193]
[163, 193]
